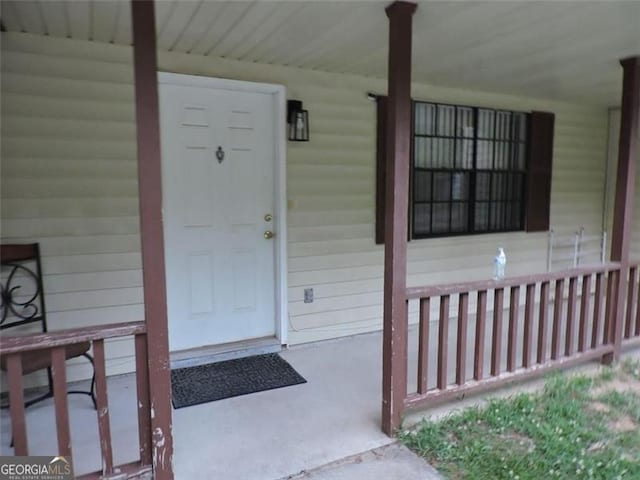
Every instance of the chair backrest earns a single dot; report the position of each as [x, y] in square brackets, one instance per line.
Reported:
[21, 289]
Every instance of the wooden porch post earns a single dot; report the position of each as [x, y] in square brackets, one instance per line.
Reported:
[625, 183]
[395, 322]
[151, 233]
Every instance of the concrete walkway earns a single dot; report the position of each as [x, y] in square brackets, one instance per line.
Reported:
[391, 462]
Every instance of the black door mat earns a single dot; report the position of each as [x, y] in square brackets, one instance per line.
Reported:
[231, 378]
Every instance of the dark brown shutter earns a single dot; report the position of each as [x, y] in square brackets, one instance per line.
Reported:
[541, 126]
[381, 166]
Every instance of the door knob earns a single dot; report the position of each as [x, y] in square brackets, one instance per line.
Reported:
[268, 235]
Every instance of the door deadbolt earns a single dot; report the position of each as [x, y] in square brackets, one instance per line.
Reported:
[268, 217]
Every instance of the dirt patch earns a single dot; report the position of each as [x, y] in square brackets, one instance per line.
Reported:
[620, 384]
[599, 407]
[519, 441]
[623, 424]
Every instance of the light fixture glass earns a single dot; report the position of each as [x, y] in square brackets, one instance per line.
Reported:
[298, 121]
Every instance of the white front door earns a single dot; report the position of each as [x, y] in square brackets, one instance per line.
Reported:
[218, 159]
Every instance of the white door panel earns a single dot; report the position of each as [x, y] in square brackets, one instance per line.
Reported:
[220, 268]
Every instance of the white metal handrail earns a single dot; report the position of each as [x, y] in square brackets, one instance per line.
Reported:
[575, 249]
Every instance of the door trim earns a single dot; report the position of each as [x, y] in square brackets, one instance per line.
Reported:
[280, 177]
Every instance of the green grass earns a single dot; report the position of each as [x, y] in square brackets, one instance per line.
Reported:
[577, 427]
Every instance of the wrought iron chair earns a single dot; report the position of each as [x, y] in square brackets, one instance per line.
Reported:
[22, 297]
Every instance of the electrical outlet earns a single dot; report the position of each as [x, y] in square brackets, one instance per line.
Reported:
[308, 295]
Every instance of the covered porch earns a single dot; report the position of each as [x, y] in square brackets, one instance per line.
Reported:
[268, 435]
[459, 334]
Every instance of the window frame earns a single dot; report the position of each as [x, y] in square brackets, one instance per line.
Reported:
[471, 201]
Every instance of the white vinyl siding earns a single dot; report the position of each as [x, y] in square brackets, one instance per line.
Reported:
[69, 182]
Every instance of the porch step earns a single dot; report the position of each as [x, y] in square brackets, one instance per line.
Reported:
[393, 461]
[226, 351]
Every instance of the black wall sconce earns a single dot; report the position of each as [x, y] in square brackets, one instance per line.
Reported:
[298, 121]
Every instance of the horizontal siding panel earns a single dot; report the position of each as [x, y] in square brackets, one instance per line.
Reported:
[54, 188]
[321, 333]
[305, 264]
[68, 168]
[343, 172]
[327, 247]
[302, 234]
[344, 139]
[91, 263]
[27, 146]
[66, 88]
[82, 282]
[328, 186]
[335, 217]
[334, 202]
[68, 207]
[69, 301]
[338, 317]
[336, 289]
[95, 316]
[67, 67]
[67, 108]
[353, 127]
[56, 227]
[331, 155]
[337, 303]
[313, 277]
[70, 129]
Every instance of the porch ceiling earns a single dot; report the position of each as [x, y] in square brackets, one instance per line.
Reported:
[563, 49]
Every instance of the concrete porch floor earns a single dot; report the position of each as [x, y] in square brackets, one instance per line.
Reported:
[290, 432]
[266, 435]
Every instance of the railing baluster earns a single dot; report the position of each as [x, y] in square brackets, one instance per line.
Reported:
[637, 328]
[597, 310]
[584, 313]
[16, 405]
[443, 341]
[611, 297]
[496, 347]
[631, 302]
[571, 316]
[558, 302]
[543, 324]
[463, 320]
[481, 324]
[55, 345]
[512, 342]
[423, 344]
[144, 406]
[58, 369]
[527, 341]
[104, 428]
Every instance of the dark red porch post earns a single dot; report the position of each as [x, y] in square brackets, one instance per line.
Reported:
[625, 183]
[151, 233]
[395, 322]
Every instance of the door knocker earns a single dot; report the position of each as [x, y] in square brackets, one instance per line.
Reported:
[220, 154]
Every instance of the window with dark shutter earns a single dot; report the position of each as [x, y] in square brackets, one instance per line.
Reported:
[473, 170]
[381, 166]
[540, 166]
